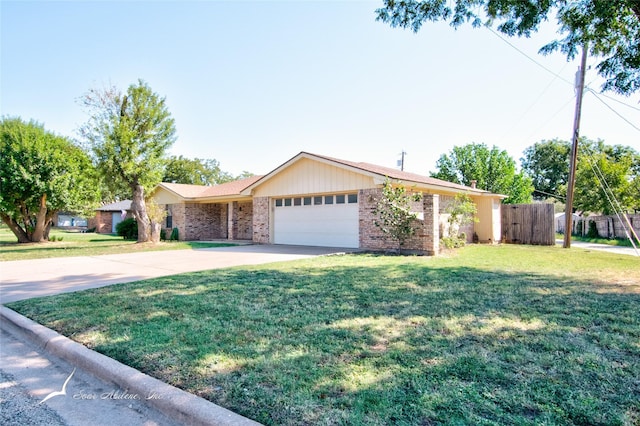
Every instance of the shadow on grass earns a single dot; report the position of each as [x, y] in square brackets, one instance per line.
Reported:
[392, 342]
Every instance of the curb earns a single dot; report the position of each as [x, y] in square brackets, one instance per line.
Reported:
[177, 404]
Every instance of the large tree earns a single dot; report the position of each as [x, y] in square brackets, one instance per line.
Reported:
[614, 167]
[195, 171]
[607, 178]
[610, 28]
[492, 169]
[547, 163]
[129, 134]
[40, 174]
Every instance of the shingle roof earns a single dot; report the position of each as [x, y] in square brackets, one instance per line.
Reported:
[201, 191]
[116, 207]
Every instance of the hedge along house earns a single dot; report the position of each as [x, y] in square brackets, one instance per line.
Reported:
[320, 201]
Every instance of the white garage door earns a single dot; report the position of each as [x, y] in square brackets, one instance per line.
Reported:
[116, 218]
[323, 220]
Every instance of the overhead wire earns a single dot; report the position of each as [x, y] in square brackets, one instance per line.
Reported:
[611, 197]
[612, 110]
[528, 57]
[566, 81]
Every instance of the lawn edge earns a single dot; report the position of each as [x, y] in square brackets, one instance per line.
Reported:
[175, 403]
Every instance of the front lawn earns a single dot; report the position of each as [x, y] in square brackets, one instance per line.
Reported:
[490, 335]
[84, 244]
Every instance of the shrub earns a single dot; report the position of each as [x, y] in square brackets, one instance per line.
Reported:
[163, 235]
[174, 235]
[128, 229]
[453, 242]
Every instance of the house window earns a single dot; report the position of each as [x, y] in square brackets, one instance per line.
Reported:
[339, 199]
[169, 217]
[317, 201]
[287, 202]
[307, 201]
[328, 199]
[279, 202]
[297, 201]
[352, 198]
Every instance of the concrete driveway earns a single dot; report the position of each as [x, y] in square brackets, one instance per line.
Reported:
[630, 251]
[24, 279]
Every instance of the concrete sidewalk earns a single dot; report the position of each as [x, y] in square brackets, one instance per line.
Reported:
[84, 387]
[37, 361]
[628, 251]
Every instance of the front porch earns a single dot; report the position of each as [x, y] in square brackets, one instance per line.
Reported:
[230, 221]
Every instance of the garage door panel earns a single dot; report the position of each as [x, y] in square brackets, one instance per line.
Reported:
[334, 225]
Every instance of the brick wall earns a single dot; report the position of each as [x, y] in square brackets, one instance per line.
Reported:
[426, 237]
[431, 211]
[261, 231]
[241, 220]
[204, 222]
[102, 222]
[177, 221]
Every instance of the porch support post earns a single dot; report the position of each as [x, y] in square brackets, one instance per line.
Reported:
[431, 209]
[231, 219]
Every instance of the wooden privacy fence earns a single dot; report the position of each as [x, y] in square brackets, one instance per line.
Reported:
[528, 224]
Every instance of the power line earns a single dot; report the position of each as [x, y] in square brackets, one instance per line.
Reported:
[556, 196]
[529, 57]
[613, 110]
[616, 100]
[568, 82]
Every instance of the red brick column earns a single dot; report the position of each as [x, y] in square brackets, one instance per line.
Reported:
[430, 205]
[261, 220]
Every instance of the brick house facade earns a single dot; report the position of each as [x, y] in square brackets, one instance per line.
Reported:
[318, 200]
[103, 221]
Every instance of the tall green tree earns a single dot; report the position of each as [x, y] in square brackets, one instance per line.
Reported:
[129, 134]
[607, 178]
[547, 163]
[41, 174]
[492, 169]
[614, 167]
[195, 171]
[611, 28]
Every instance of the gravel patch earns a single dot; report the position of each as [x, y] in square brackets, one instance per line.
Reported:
[17, 408]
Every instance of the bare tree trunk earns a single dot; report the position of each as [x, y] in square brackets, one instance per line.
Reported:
[139, 211]
[20, 234]
[41, 221]
[48, 224]
[155, 232]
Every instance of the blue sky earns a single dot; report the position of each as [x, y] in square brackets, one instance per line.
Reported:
[253, 83]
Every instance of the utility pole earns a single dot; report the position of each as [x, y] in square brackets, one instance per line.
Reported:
[568, 211]
[401, 162]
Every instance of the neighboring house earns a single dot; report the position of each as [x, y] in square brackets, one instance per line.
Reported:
[109, 215]
[319, 201]
[560, 220]
[69, 220]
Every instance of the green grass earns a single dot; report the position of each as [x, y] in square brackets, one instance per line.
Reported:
[490, 335]
[87, 244]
